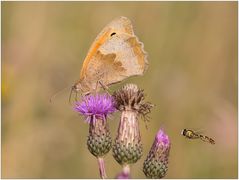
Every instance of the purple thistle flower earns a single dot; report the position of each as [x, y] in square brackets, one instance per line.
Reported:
[99, 105]
[162, 139]
[95, 109]
[156, 163]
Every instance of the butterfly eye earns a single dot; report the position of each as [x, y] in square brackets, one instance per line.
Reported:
[112, 34]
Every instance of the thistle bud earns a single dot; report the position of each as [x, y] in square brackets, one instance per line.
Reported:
[156, 164]
[127, 148]
[95, 109]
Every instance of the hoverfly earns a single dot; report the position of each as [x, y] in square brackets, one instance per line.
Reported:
[190, 134]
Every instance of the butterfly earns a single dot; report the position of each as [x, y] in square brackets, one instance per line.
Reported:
[115, 55]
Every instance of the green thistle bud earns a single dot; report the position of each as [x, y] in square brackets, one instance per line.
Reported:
[156, 164]
[99, 141]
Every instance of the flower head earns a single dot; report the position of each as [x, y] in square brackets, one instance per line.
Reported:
[96, 108]
[162, 139]
[129, 99]
[99, 105]
[156, 163]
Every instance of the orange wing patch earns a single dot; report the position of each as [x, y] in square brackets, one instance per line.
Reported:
[139, 52]
[93, 51]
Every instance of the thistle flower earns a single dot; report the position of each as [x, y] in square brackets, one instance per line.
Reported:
[156, 163]
[127, 148]
[95, 109]
[99, 105]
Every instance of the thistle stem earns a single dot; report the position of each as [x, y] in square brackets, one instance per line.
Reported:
[126, 170]
[102, 168]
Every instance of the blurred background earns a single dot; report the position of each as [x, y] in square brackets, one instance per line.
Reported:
[192, 80]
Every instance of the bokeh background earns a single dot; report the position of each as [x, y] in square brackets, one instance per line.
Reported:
[192, 80]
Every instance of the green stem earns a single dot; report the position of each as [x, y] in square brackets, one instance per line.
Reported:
[126, 170]
[102, 168]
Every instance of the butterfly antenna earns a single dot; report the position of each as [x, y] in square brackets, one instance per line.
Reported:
[57, 93]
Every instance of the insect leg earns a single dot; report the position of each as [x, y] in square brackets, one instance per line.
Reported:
[70, 96]
[106, 88]
[96, 87]
[76, 97]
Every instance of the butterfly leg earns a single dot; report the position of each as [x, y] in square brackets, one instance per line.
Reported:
[106, 88]
[96, 86]
[76, 97]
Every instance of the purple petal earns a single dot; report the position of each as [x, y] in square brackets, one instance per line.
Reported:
[99, 105]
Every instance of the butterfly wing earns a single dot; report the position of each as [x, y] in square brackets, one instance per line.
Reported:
[115, 55]
[118, 25]
[130, 58]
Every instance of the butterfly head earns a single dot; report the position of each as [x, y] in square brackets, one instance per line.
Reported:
[76, 87]
[80, 86]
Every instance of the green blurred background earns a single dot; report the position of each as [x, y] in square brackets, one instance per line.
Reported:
[192, 80]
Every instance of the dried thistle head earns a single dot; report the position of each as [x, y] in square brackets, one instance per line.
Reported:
[130, 97]
[127, 148]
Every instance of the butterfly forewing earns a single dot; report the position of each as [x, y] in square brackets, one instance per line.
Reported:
[115, 55]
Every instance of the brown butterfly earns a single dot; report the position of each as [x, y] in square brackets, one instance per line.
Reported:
[115, 55]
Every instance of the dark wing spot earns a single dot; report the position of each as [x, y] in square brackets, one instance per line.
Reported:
[112, 34]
